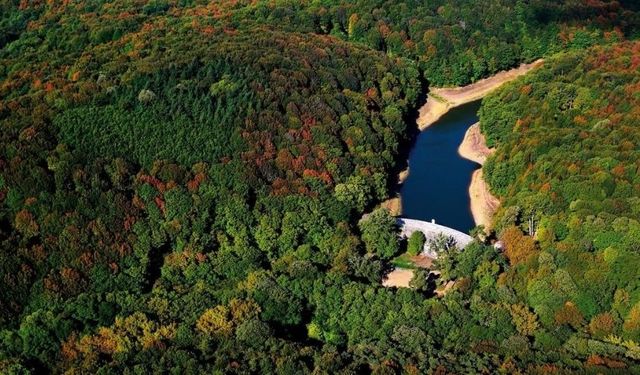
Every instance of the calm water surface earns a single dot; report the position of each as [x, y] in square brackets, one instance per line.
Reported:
[438, 183]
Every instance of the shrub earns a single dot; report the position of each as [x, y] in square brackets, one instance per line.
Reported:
[416, 243]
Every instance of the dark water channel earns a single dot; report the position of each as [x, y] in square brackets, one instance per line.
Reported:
[438, 183]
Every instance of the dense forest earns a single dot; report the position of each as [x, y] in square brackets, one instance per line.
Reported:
[567, 166]
[182, 182]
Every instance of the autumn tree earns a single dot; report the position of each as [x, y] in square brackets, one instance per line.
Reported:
[631, 325]
[525, 321]
[602, 324]
[517, 247]
[569, 314]
[215, 321]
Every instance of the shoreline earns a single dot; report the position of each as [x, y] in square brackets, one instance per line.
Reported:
[441, 99]
[474, 146]
[483, 204]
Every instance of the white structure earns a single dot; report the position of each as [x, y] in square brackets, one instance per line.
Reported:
[430, 230]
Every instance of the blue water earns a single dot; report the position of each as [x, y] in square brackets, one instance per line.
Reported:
[438, 183]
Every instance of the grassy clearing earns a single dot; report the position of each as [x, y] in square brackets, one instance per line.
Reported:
[404, 261]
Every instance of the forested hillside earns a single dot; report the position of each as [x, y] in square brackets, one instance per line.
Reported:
[567, 165]
[181, 184]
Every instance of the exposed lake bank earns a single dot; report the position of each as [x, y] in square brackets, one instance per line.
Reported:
[439, 102]
[483, 203]
[442, 99]
[474, 146]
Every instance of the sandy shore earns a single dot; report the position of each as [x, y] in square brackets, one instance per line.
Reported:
[393, 205]
[474, 146]
[441, 100]
[402, 176]
[483, 203]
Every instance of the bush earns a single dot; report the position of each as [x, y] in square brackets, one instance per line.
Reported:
[416, 243]
[146, 96]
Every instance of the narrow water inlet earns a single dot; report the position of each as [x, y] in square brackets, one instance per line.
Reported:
[437, 187]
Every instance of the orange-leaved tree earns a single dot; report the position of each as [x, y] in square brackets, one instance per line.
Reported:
[517, 246]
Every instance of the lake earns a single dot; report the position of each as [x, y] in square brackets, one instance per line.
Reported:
[438, 183]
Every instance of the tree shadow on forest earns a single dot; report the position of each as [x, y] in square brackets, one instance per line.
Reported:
[154, 266]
